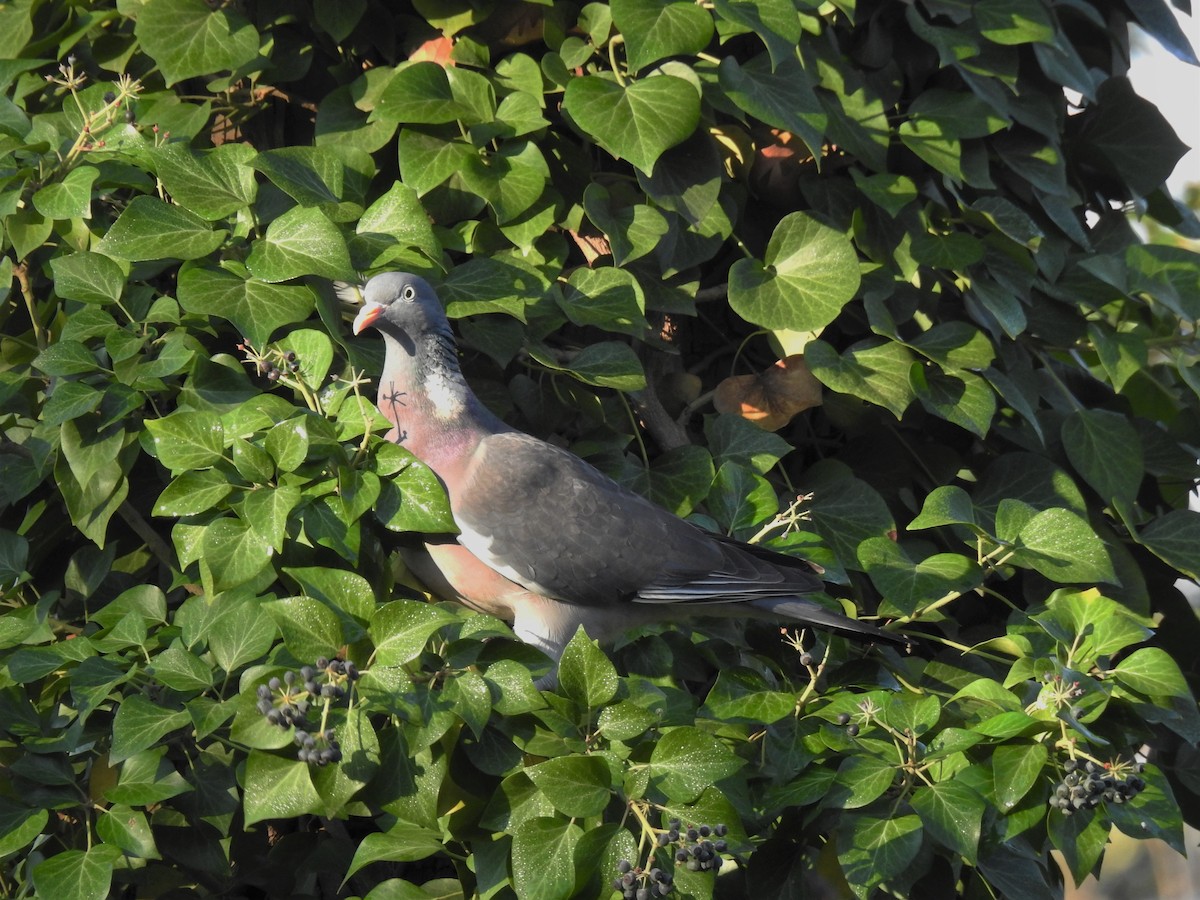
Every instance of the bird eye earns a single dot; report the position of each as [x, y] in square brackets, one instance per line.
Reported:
[409, 292]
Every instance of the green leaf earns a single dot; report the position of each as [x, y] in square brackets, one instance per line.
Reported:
[400, 843]
[147, 778]
[1015, 769]
[809, 272]
[148, 228]
[543, 852]
[310, 629]
[70, 198]
[414, 500]
[1010, 22]
[585, 674]
[278, 788]
[952, 813]
[211, 183]
[77, 874]
[861, 780]
[302, 241]
[876, 372]
[1127, 136]
[654, 29]
[511, 179]
[187, 38]
[181, 670]
[742, 695]
[233, 553]
[1175, 539]
[19, 825]
[606, 364]
[1106, 450]
[913, 713]
[637, 122]
[686, 761]
[578, 786]
[395, 219]
[780, 93]
[873, 850]
[606, 297]
[741, 500]
[187, 439]
[89, 277]
[907, 585]
[402, 628]
[128, 829]
[312, 176]
[66, 358]
[774, 21]
[1063, 546]
[733, 439]
[193, 492]
[847, 511]
[140, 724]
[962, 398]
[255, 308]
[420, 94]
[1151, 671]
[632, 231]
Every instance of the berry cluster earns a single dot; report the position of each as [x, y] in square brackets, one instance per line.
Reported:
[319, 749]
[636, 883]
[852, 728]
[696, 851]
[287, 701]
[1085, 784]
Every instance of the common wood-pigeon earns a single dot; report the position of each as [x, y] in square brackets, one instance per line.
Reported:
[547, 541]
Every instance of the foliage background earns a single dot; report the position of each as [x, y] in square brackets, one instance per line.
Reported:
[623, 205]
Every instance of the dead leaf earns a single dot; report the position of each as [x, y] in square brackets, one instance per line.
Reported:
[434, 50]
[772, 398]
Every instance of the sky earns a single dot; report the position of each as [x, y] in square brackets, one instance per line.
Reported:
[1174, 87]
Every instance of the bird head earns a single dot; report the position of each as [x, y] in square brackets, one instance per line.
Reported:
[400, 304]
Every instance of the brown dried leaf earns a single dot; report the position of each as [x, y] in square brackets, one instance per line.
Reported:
[770, 399]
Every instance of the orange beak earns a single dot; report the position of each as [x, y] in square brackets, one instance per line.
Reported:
[367, 316]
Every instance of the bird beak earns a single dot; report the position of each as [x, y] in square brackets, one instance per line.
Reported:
[367, 315]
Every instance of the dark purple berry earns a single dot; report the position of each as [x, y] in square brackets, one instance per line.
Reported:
[852, 729]
[624, 866]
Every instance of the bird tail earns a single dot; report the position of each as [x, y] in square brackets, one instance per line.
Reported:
[812, 613]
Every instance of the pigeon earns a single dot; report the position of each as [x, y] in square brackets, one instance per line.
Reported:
[546, 541]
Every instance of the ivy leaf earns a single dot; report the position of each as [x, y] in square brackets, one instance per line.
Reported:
[779, 93]
[400, 843]
[809, 272]
[312, 176]
[301, 242]
[1064, 548]
[256, 308]
[1106, 450]
[959, 397]
[585, 674]
[606, 297]
[189, 38]
[654, 29]
[1015, 769]
[952, 813]
[148, 228]
[88, 277]
[234, 553]
[637, 122]
[876, 372]
[187, 439]
[578, 786]
[1150, 671]
[1175, 538]
[872, 850]
[543, 853]
[906, 585]
[278, 788]
[402, 628]
[78, 874]
[211, 183]
[140, 724]
[70, 198]
[686, 761]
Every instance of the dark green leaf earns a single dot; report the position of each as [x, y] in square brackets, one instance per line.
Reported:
[585, 674]
[148, 228]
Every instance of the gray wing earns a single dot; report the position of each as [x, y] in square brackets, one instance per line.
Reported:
[554, 524]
